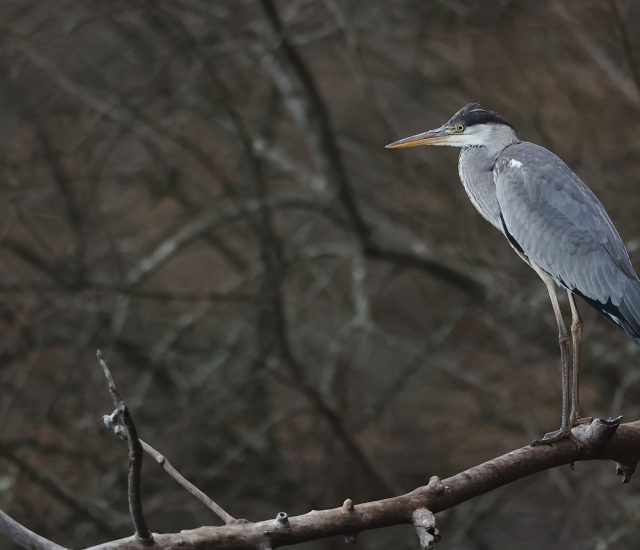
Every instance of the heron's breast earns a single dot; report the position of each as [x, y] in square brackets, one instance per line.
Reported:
[475, 168]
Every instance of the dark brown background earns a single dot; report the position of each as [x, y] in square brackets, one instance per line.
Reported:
[267, 280]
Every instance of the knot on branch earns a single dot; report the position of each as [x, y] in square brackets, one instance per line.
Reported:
[425, 523]
[348, 506]
[597, 433]
[435, 486]
[116, 421]
[282, 520]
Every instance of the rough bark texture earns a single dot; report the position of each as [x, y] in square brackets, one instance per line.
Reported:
[592, 443]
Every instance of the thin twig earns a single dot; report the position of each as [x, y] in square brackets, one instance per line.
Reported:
[167, 467]
[113, 390]
[122, 424]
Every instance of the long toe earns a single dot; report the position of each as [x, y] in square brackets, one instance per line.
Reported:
[553, 437]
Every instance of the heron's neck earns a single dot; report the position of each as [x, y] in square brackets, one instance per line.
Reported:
[475, 167]
[496, 139]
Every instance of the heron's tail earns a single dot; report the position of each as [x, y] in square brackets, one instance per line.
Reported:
[627, 316]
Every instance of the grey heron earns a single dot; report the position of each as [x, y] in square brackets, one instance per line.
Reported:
[553, 221]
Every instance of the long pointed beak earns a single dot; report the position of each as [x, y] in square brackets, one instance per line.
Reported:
[432, 137]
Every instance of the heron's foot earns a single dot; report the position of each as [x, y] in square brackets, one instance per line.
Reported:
[588, 431]
[553, 437]
[582, 421]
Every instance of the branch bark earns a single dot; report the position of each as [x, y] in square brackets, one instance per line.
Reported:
[598, 441]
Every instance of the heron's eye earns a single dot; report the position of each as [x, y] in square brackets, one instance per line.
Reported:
[459, 128]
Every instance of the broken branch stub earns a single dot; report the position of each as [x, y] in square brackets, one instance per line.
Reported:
[425, 523]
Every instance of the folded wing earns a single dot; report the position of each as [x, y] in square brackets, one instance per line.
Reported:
[554, 221]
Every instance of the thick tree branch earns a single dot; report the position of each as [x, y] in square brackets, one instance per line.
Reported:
[598, 441]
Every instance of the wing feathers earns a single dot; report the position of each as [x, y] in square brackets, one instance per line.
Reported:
[562, 227]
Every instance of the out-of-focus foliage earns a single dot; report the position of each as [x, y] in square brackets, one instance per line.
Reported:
[292, 312]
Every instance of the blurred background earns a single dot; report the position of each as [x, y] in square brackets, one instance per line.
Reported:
[294, 314]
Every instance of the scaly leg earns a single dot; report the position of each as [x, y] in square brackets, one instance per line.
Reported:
[563, 340]
[576, 338]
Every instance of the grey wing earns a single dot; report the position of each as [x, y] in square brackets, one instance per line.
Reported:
[560, 225]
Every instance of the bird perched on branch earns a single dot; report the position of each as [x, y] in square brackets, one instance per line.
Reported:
[554, 223]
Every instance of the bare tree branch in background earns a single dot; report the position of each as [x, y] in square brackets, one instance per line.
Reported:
[301, 96]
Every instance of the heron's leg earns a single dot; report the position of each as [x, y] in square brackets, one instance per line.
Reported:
[563, 340]
[576, 339]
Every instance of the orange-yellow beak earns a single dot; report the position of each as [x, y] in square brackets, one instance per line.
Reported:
[432, 137]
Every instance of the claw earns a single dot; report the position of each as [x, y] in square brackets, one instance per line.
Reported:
[565, 433]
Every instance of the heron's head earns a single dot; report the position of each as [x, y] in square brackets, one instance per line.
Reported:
[471, 125]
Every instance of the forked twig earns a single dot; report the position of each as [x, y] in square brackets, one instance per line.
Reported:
[122, 424]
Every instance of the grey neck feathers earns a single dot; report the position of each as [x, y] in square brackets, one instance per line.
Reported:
[496, 138]
[475, 166]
